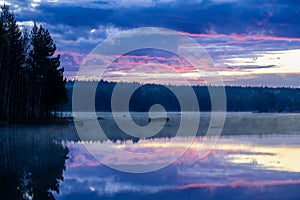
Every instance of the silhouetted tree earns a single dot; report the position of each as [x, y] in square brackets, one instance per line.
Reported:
[11, 67]
[31, 79]
[47, 76]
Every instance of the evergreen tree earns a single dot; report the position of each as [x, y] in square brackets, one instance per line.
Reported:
[47, 76]
[11, 65]
[31, 79]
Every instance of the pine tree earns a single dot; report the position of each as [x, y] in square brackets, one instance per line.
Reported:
[47, 79]
[3, 56]
[31, 79]
[11, 65]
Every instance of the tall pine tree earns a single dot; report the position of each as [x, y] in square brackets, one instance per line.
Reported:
[47, 79]
[31, 79]
[11, 64]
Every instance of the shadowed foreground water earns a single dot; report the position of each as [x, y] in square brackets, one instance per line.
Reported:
[51, 162]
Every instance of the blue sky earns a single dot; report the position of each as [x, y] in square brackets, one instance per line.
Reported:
[251, 42]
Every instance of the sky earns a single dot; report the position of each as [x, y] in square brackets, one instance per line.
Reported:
[251, 42]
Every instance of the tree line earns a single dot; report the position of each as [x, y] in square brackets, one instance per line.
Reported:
[239, 99]
[31, 79]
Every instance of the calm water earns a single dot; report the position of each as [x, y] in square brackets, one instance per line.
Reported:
[51, 162]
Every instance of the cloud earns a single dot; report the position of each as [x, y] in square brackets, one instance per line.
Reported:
[225, 17]
[240, 184]
[26, 24]
[228, 29]
[272, 80]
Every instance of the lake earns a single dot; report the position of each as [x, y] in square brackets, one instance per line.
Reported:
[52, 162]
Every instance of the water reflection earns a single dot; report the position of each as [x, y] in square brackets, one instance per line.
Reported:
[52, 163]
[31, 163]
[239, 167]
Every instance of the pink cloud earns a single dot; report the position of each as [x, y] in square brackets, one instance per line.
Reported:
[242, 37]
[77, 57]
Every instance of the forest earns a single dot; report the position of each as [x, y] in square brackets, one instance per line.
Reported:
[31, 79]
[239, 99]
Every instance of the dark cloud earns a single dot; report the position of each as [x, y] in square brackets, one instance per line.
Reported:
[75, 16]
[242, 17]
[257, 67]
[73, 21]
[273, 80]
[79, 26]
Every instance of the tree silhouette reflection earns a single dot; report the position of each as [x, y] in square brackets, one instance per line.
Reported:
[32, 162]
